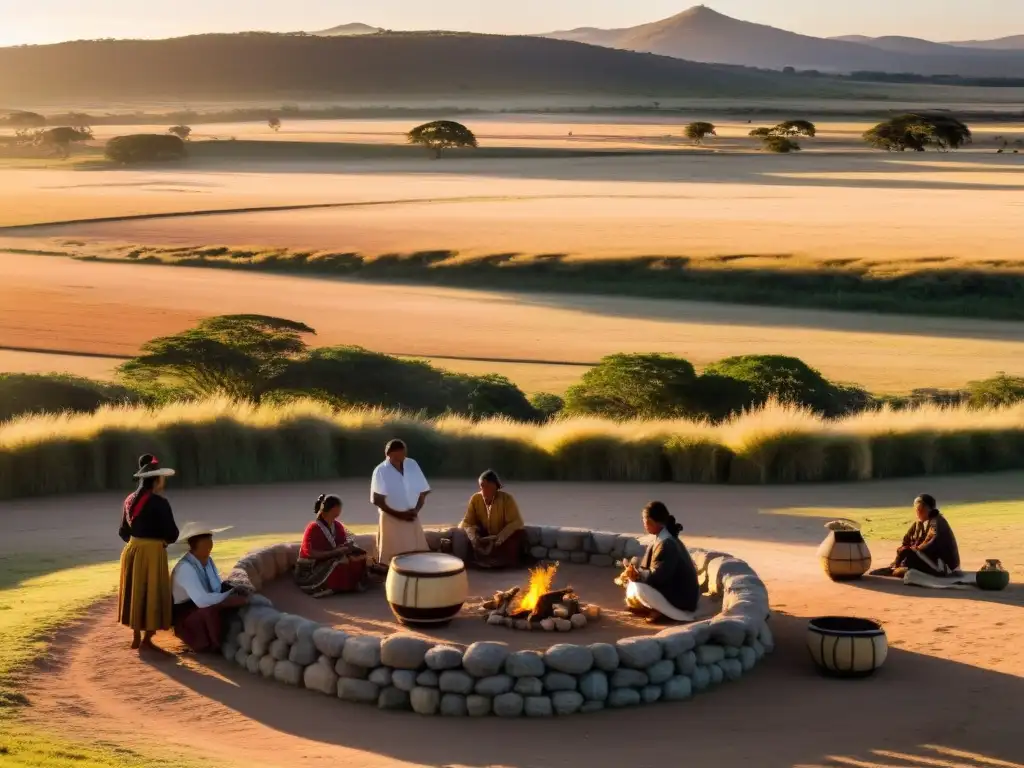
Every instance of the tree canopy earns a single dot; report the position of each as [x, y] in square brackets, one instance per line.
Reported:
[780, 144]
[145, 148]
[274, 123]
[633, 387]
[181, 131]
[441, 135]
[998, 391]
[23, 122]
[918, 132]
[786, 379]
[62, 138]
[796, 128]
[697, 132]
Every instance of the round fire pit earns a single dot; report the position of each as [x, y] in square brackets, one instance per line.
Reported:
[540, 606]
[844, 646]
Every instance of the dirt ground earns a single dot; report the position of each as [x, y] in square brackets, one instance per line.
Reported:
[950, 696]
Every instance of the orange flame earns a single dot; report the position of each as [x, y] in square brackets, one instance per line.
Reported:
[541, 580]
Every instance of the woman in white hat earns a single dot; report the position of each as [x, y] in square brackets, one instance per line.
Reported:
[147, 527]
[200, 597]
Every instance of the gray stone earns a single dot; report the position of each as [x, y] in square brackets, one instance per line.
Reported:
[639, 652]
[602, 561]
[679, 688]
[701, 679]
[266, 625]
[539, 553]
[579, 557]
[529, 686]
[635, 547]
[686, 663]
[563, 625]
[508, 705]
[425, 701]
[533, 534]
[661, 672]
[343, 669]
[650, 694]
[305, 630]
[710, 654]
[700, 630]
[288, 672]
[558, 554]
[741, 607]
[603, 541]
[571, 539]
[254, 617]
[731, 653]
[591, 706]
[241, 657]
[729, 630]
[317, 677]
[428, 678]
[455, 681]
[759, 651]
[548, 536]
[629, 678]
[252, 663]
[594, 686]
[567, 702]
[279, 649]
[732, 668]
[677, 642]
[363, 652]
[496, 620]
[267, 664]
[568, 658]
[404, 651]
[485, 659]
[229, 649]
[538, 706]
[748, 658]
[559, 681]
[380, 676]
[303, 653]
[245, 642]
[605, 656]
[578, 621]
[703, 557]
[360, 691]
[454, 705]
[260, 646]
[478, 706]
[260, 601]
[406, 680]
[764, 636]
[287, 627]
[392, 698]
[721, 567]
[525, 664]
[329, 641]
[495, 685]
[548, 625]
[624, 697]
[717, 675]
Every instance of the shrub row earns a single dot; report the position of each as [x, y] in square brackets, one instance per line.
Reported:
[220, 442]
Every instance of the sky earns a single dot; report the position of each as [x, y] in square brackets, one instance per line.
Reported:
[47, 21]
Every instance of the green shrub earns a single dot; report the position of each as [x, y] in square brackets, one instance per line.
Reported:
[786, 379]
[24, 393]
[997, 391]
[547, 405]
[635, 387]
[482, 397]
[780, 144]
[145, 148]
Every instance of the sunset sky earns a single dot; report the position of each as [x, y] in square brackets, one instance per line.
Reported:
[41, 21]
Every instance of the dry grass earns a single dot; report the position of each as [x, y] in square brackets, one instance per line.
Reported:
[220, 442]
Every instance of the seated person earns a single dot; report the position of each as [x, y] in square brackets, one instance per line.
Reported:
[329, 561]
[929, 546]
[665, 585]
[200, 598]
[493, 526]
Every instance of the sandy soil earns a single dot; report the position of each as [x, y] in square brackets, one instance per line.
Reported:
[59, 305]
[950, 694]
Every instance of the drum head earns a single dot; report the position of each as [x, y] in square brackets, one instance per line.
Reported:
[427, 564]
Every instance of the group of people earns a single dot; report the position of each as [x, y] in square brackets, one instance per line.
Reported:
[192, 599]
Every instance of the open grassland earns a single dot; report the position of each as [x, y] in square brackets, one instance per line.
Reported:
[220, 442]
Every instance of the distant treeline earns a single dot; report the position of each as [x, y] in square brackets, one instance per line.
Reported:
[910, 77]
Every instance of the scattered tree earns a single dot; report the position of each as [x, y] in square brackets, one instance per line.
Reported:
[917, 132]
[782, 138]
[779, 144]
[80, 120]
[761, 133]
[181, 131]
[1006, 144]
[697, 132]
[1001, 390]
[792, 128]
[633, 387]
[441, 135]
[25, 122]
[61, 139]
[275, 124]
[145, 148]
[547, 405]
[786, 379]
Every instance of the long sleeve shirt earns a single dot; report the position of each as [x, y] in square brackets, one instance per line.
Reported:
[934, 538]
[191, 580]
[146, 515]
[668, 568]
[501, 520]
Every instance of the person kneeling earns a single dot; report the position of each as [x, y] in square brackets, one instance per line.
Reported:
[929, 546]
[329, 561]
[665, 586]
[493, 526]
[200, 598]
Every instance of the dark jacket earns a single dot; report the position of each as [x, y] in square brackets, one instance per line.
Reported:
[146, 515]
[668, 567]
[934, 538]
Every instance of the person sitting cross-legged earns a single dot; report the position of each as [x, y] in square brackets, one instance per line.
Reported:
[493, 526]
[329, 561]
[929, 546]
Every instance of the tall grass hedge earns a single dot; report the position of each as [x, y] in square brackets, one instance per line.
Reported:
[219, 442]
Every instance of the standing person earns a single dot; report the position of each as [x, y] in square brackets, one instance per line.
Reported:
[493, 526]
[929, 546]
[200, 598]
[398, 490]
[329, 560]
[147, 527]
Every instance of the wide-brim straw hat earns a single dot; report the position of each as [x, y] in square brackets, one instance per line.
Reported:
[190, 530]
[158, 472]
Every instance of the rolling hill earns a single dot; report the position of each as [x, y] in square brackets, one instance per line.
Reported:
[348, 30]
[1011, 43]
[264, 65]
[702, 34]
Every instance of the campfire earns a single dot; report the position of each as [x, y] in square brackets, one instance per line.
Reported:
[540, 607]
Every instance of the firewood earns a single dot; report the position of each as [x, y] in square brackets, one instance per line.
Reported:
[546, 603]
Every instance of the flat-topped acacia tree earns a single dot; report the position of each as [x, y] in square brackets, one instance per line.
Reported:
[441, 135]
[697, 132]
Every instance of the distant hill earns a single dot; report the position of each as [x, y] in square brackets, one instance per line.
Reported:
[702, 34]
[263, 65]
[1012, 43]
[348, 30]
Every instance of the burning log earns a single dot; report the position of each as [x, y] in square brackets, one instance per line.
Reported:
[547, 602]
[501, 602]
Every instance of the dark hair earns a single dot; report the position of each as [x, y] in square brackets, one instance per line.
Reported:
[491, 476]
[147, 462]
[326, 504]
[193, 540]
[394, 445]
[659, 513]
[928, 500]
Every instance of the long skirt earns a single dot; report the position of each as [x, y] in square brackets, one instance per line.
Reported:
[144, 596]
[398, 537]
[509, 554]
[919, 561]
[644, 596]
[328, 577]
[201, 629]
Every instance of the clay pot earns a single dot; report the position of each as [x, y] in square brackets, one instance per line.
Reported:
[844, 555]
[843, 646]
[992, 577]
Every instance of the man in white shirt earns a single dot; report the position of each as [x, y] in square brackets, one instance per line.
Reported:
[200, 598]
[398, 490]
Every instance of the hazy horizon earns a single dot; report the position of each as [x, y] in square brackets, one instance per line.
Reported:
[49, 21]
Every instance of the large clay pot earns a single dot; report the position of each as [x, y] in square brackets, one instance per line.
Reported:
[847, 647]
[426, 588]
[993, 577]
[844, 555]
